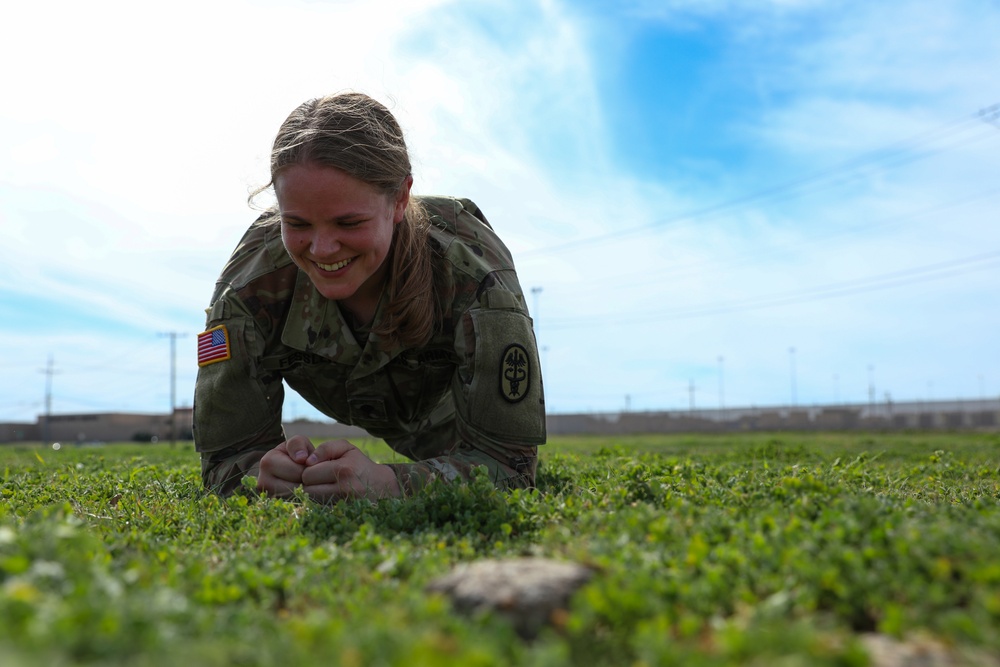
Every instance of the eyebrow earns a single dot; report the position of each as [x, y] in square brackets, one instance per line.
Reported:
[340, 218]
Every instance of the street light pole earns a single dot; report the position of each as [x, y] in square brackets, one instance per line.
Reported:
[47, 424]
[871, 389]
[535, 291]
[722, 390]
[791, 361]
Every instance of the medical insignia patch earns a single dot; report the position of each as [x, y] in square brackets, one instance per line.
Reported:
[213, 345]
[515, 373]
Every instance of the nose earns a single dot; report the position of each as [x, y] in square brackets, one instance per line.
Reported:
[325, 242]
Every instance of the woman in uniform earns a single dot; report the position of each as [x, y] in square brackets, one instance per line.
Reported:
[392, 312]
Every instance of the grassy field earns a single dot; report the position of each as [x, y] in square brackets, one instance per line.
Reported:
[762, 549]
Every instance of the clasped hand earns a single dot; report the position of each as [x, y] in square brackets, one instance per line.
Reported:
[333, 470]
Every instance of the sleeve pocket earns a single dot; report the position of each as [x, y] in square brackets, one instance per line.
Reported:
[505, 399]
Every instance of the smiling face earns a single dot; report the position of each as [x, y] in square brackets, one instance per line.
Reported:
[338, 230]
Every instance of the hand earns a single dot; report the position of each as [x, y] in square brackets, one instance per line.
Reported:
[337, 469]
[281, 468]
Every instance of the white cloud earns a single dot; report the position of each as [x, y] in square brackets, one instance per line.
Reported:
[741, 16]
[130, 154]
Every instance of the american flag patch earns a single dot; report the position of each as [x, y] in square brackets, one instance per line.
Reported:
[213, 345]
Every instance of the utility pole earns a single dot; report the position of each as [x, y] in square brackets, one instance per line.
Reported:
[173, 336]
[49, 371]
[691, 393]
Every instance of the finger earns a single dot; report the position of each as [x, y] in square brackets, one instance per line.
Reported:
[276, 463]
[299, 448]
[322, 473]
[277, 488]
[351, 487]
[331, 450]
[323, 493]
[332, 480]
[350, 477]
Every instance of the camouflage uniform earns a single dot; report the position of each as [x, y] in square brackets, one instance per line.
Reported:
[471, 397]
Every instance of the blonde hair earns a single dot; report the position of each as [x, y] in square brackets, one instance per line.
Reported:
[358, 135]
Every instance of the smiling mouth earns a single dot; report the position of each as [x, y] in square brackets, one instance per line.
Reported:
[334, 267]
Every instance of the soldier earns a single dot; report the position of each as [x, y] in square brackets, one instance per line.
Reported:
[396, 313]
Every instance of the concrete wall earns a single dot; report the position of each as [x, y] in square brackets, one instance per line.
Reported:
[944, 415]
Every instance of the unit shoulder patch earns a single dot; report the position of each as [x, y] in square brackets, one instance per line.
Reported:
[515, 373]
[213, 345]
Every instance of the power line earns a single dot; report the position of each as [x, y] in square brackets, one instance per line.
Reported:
[761, 253]
[890, 156]
[991, 115]
[116, 362]
[901, 278]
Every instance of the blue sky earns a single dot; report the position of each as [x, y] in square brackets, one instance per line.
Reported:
[698, 188]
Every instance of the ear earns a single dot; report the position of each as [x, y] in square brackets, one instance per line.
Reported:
[402, 199]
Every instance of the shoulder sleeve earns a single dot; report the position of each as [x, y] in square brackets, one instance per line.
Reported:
[499, 402]
[237, 403]
[498, 389]
[500, 395]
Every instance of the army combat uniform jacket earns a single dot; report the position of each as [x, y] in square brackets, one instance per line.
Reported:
[471, 397]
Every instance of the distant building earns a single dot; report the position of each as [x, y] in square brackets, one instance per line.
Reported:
[133, 427]
[115, 427]
[983, 415]
[19, 432]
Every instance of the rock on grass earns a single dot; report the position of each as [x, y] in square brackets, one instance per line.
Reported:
[530, 592]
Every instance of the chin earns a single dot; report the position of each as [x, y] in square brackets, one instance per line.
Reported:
[336, 295]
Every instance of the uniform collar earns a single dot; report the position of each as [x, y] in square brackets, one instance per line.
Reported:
[316, 325]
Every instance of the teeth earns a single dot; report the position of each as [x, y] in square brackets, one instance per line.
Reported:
[333, 267]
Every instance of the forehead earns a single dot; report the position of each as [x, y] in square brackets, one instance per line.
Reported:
[315, 187]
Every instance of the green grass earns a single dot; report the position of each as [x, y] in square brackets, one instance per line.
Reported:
[738, 549]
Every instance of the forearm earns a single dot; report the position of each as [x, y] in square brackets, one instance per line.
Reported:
[223, 471]
[515, 469]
